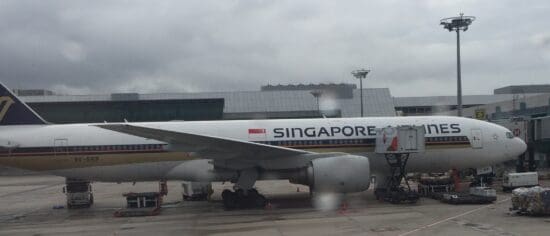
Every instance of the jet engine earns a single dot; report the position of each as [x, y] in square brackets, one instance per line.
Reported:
[200, 170]
[338, 174]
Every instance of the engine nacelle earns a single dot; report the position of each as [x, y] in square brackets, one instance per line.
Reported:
[200, 170]
[339, 174]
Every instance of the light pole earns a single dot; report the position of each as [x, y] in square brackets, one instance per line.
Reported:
[317, 94]
[457, 24]
[360, 74]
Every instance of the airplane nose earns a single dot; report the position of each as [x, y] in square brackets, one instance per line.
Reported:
[519, 146]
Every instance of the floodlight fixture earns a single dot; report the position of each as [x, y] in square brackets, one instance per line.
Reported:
[360, 74]
[457, 23]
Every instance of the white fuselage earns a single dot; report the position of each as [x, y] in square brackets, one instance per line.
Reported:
[88, 152]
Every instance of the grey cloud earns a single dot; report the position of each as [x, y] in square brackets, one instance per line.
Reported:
[171, 46]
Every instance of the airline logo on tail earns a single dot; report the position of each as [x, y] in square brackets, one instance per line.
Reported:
[15, 112]
[5, 104]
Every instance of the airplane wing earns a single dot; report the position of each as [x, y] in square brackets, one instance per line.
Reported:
[210, 147]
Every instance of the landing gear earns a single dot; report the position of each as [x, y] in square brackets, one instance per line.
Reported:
[394, 192]
[244, 196]
[243, 199]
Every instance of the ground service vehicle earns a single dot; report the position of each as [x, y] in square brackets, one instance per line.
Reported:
[516, 180]
[79, 193]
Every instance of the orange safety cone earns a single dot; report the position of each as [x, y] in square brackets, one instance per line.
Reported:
[343, 208]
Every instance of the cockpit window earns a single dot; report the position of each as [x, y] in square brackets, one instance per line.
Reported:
[509, 135]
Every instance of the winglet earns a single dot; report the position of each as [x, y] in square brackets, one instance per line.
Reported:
[14, 112]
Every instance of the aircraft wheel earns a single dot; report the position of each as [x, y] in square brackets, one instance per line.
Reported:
[254, 199]
[253, 191]
[240, 193]
[230, 199]
[260, 201]
[226, 193]
[240, 200]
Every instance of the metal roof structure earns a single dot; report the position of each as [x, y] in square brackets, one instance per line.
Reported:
[377, 101]
[451, 100]
[521, 89]
[533, 105]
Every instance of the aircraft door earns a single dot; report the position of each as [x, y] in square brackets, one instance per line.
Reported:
[477, 138]
[61, 146]
[411, 142]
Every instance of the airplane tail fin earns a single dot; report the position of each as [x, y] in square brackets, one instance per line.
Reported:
[14, 112]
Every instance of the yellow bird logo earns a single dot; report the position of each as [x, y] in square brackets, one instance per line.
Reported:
[5, 104]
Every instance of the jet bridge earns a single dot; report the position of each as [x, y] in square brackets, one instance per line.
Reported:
[396, 144]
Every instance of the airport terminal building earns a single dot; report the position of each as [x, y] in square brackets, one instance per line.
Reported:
[271, 102]
[281, 101]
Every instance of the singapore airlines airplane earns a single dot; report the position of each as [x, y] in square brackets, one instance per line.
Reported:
[335, 155]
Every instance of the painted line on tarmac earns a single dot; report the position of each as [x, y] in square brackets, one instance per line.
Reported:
[30, 190]
[452, 217]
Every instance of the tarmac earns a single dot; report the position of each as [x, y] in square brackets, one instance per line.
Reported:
[27, 208]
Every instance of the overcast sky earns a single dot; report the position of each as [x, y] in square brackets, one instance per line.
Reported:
[78, 47]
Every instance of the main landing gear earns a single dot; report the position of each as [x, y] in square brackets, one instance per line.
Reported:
[243, 199]
[244, 196]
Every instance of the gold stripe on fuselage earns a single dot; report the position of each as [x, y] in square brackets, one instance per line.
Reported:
[69, 161]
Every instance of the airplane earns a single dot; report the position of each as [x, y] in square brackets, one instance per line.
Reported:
[327, 154]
